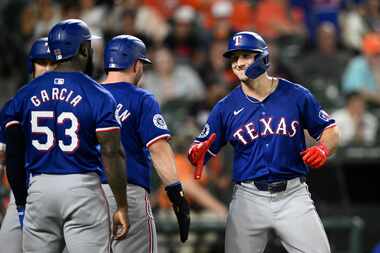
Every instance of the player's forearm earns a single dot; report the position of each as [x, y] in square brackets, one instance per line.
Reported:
[116, 176]
[114, 166]
[330, 137]
[163, 161]
[15, 163]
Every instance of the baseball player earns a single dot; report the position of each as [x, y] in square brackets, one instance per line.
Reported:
[144, 136]
[63, 116]
[264, 120]
[39, 61]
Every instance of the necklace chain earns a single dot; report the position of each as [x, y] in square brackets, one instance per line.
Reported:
[270, 92]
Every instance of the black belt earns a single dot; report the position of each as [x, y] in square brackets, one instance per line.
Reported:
[278, 186]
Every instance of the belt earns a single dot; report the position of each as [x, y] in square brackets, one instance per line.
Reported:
[273, 187]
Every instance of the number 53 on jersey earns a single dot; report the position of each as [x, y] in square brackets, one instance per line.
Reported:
[39, 122]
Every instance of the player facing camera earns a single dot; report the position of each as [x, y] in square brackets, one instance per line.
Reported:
[264, 119]
[248, 54]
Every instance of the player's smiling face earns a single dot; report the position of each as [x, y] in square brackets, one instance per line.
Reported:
[240, 61]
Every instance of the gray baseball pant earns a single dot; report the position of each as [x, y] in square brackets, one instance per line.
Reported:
[66, 208]
[10, 232]
[291, 213]
[142, 235]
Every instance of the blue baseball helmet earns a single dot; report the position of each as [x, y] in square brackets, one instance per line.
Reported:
[122, 51]
[66, 37]
[39, 51]
[251, 42]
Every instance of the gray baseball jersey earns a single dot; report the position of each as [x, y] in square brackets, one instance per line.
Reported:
[142, 236]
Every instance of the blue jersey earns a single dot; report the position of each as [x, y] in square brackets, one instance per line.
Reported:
[60, 113]
[2, 138]
[267, 136]
[141, 125]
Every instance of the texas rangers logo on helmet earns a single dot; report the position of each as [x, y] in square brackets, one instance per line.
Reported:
[237, 39]
[58, 54]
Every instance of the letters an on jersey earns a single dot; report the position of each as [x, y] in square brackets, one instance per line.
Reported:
[267, 136]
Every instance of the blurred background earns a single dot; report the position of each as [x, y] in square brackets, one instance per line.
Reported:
[332, 47]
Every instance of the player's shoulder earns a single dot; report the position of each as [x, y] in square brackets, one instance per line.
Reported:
[230, 99]
[141, 92]
[293, 88]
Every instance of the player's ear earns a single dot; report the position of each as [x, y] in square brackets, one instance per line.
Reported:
[85, 49]
[136, 66]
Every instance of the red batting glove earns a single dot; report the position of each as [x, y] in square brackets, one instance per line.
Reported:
[197, 154]
[315, 156]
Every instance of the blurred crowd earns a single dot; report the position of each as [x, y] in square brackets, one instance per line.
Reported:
[332, 47]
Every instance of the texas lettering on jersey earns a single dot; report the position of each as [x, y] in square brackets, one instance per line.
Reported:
[269, 128]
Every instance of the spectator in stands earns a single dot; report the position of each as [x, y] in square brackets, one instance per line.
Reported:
[214, 73]
[185, 39]
[357, 125]
[316, 12]
[372, 16]
[70, 9]
[48, 14]
[93, 15]
[221, 26]
[358, 20]
[146, 20]
[284, 20]
[277, 65]
[171, 81]
[322, 69]
[363, 72]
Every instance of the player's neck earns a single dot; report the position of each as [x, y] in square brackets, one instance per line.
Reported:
[71, 65]
[260, 87]
[117, 77]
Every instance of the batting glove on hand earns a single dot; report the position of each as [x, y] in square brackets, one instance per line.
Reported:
[21, 214]
[315, 156]
[197, 154]
[180, 207]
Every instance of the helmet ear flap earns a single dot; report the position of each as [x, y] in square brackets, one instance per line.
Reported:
[260, 65]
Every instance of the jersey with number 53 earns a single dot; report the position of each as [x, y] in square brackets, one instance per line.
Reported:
[60, 113]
